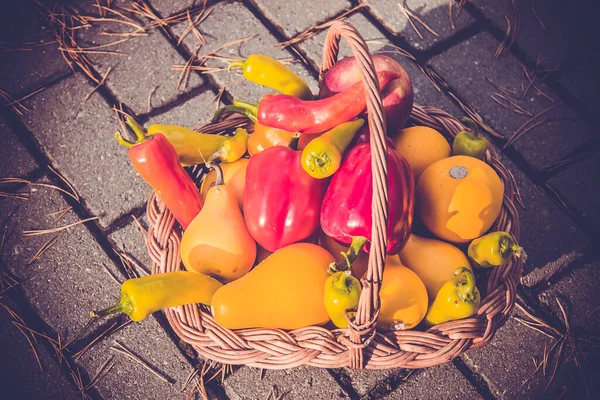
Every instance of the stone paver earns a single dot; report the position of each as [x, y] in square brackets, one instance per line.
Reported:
[441, 382]
[79, 139]
[195, 112]
[130, 380]
[21, 378]
[583, 84]
[572, 185]
[9, 145]
[433, 12]
[146, 59]
[297, 16]
[132, 240]
[578, 293]
[233, 21]
[302, 383]
[542, 145]
[507, 361]
[365, 381]
[169, 7]
[546, 231]
[19, 71]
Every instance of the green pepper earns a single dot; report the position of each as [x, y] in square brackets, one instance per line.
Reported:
[469, 143]
[458, 298]
[266, 71]
[342, 293]
[493, 249]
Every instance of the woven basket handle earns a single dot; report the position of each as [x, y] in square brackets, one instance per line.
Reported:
[363, 329]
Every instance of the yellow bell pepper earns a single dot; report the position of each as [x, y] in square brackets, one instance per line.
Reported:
[493, 249]
[458, 298]
[141, 297]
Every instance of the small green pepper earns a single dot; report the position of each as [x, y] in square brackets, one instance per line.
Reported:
[469, 143]
[342, 293]
[493, 249]
[458, 298]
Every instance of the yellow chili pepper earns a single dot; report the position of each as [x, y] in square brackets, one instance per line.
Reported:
[458, 298]
[493, 249]
[266, 71]
[141, 297]
[342, 292]
[322, 157]
[233, 148]
[192, 147]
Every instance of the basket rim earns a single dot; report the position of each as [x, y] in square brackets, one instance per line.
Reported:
[361, 345]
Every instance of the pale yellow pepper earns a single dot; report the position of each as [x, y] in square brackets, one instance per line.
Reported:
[457, 299]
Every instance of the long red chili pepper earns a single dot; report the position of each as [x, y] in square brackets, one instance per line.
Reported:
[315, 116]
[156, 160]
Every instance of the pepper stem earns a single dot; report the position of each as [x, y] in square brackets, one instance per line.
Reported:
[248, 106]
[358, 242]
[235, 64]
[465, 284]
[233, 109]
[214, 165]
[140, 133]
[472, 125]
[117, 308]
[343, 282]
[293, 144]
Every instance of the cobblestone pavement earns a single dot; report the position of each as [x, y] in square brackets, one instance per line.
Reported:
[64, 124]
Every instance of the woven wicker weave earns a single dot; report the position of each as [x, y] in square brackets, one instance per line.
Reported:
[361, 345]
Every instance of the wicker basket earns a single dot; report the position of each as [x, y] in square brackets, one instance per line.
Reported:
[361, 345]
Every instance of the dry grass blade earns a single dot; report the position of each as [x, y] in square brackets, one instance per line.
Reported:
[121, 348]
[58, 215]
[537, 17]
[36, 232]
[410, 14]
[510, 105]
[150, 98]
[315, 29]
[101, 83]
[527, 127]
[35, 353]
[16, 104]
[42, 250]
[100, 373]
[502, 89]
[506, 40]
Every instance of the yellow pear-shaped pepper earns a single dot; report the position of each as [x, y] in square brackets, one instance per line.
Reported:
[493, 249]
[458, 298]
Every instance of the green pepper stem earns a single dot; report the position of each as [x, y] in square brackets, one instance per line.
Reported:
[248, 106]
[343, 282]
[117, 308]
[293, 144]
[358, 242]
[214, 165]
[233, 109]
[472, 125]
[465, 284]
[234, 64]
[140, 133]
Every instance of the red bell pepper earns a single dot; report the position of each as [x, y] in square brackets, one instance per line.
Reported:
[281, 201]
[315, 116]
[346, 212]
[156, 160]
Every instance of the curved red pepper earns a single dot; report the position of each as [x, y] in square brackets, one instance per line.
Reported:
[156, 160]
[346, 211]
[281, 201]
[315, 116]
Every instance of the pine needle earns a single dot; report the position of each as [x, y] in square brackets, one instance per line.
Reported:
[93, 342]
[16, 104]
[42, 250]
[315, 29]
[506, 40]
[121, 348]
[537, 17]
[58, 215]
[101, 83]
[510, 105]
[40, 184]
[101, 372]
[410, 15]
[150, 98]
[525, 128]
[36, 232]
[35, 353]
